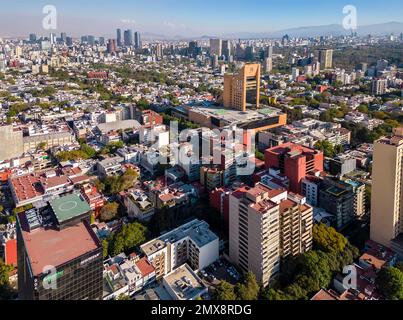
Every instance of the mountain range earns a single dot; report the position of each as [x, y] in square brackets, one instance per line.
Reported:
[309, 31]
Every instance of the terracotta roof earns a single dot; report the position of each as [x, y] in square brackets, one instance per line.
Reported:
[145, 267]
[11, 252]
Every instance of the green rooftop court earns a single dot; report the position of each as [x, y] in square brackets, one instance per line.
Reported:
[267, 111]
[69, 207]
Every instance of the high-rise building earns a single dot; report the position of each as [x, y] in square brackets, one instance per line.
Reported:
[266, 225]
[215, 47]
[137, 40]
[91, 40]
[226, 49]
[254, 232]
[101, 41]
[269, 52]
[84, 39]
[295, 73]
[32, 37]
[379, 86]
[387, 192]
[119, 37]
[111, 46]
[295, 162]
[63, 37]
[59, 256]
[69, 41]
[242, 89]
[268, 65]
[128, 37]
[159, 51]
[325, 57]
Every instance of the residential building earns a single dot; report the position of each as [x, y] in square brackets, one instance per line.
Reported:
[193, 243]
[386, 210]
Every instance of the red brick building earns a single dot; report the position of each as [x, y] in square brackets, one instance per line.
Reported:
[295, 162]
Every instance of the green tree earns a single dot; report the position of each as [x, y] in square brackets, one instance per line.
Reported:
[130, 236]
[105, 248]
[109, 211]
[326, 147]
[249, 290]
[328, 239]
[390, 283]
[224, 291]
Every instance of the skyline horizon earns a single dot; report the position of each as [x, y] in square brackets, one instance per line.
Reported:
[181, 19]
[178, 37]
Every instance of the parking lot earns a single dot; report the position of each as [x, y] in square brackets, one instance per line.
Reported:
[221, 270]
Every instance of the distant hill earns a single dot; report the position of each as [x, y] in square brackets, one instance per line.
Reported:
[325, 30]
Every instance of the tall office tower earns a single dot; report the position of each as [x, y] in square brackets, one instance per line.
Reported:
[254, 232]
[226, 49]
[242, 89]
[32, 37]
[84, 39]
[268, 65]
[69, 41]
[128, 37]
[111, 46]
[269, 52]
[52, 38]
[295, 162]
[59, 256]
[250, 53]
[325, 57]
[192, 48]
[387, 192]
[137, 40]
[159, 51]
[119, 37]
[101, 41]
[379, 86]
[215, 47]
[91, 40]
[63, 37]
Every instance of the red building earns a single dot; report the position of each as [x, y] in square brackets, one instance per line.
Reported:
[295, 162]
[93, 197]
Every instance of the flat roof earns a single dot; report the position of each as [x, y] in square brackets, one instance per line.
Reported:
[185, 284]
[51, 247]
[68, 207]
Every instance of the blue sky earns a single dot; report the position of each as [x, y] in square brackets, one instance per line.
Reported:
[188, 17]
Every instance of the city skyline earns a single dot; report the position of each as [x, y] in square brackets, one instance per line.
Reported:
[172, 19]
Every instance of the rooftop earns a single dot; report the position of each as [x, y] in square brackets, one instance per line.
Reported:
[184, 283]
[69, 207]
[50, 247]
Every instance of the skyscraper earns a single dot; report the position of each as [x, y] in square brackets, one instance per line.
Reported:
[91, 40]
[128, 37]
[63, 37]
[215, 47]
[242, 89]
[32, 37]
[387, 192]
[226, 49]
[69, 41]
[119, 37]
[137, 40]
[325, 57]
[269, 52]
[111, 46]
